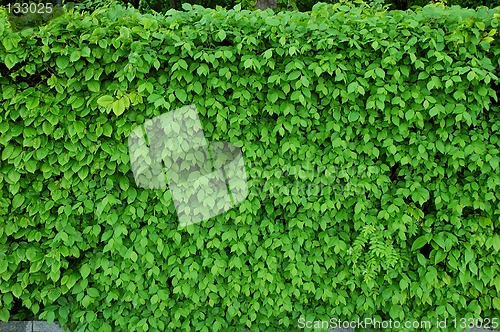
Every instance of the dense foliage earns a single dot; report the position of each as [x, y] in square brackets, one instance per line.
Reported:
[305, 5]
[162, 6]
[371, 145]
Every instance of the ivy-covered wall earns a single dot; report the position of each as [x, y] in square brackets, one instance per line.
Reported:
[371, 146]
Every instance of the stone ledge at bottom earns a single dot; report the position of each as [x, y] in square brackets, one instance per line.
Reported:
[31, 326]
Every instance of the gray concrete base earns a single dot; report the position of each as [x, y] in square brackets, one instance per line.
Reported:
[33, 326]
[16, 326]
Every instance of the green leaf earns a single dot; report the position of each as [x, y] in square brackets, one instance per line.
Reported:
[83, 172]
[47, 128]
[105, 101]
[434, 111]
[78, 102]
[395, 311]
[353, 116]
[14, 176]
[222, 35]
[51, 316]
[471, 76]
[62, 62]
[482, 91]
[94, 86]
[85, 271]
[440, 256]
[93, 292]
[79, 126]
[7, 43]
[17, 290]
[496, 242]
[272, 96]
[124, 183]
[496, 303]
[421, 259]
[248, 63]
[272, 21]
[181, 95]
[469, 254]
[438, 238]
[423, 75]
[4, 315]
[69, 281]
[419, 243]
[352, 87]
[63, 311]
[409, 114]
[294, 75]
[198, 88]
[31, 165]
[54, 294]
[358, 208]
[403, 284]
[4, 265]
[150, 257]
[17, 201]
[32, 102]
[120, 105]
[380, 72]
[75, 55]
[107, 129]
[11, 60]
[7, 152]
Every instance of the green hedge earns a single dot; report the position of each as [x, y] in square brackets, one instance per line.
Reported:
[372, 151]
[405, 4]
[163, 6]
[306, 5]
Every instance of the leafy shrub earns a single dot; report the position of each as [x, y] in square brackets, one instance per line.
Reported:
[372, 151]
[163, 6]
[306, 5]
[405, 4]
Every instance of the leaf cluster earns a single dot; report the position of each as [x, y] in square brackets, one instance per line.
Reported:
[371, 144]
